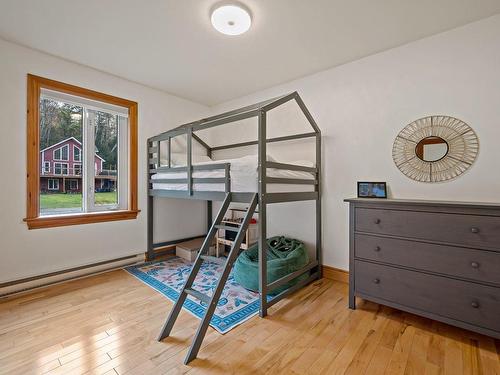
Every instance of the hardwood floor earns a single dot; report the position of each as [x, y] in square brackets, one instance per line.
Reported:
[107, 324]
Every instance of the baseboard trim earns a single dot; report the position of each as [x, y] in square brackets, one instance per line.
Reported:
[336, 274]
[35, 282]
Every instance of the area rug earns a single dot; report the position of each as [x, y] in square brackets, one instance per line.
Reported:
[235, 306]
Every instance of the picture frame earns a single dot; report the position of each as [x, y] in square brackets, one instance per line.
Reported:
[372, 189]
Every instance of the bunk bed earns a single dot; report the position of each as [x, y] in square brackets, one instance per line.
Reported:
[247, 180]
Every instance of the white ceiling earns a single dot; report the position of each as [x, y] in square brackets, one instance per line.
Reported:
[170, 44]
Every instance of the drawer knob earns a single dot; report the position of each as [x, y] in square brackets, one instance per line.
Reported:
[376, 221]
[474, 230]
[474, 264]
[377, 248]
[376, 281]
[475, 304]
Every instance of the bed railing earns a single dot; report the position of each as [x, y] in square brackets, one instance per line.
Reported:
[190, 180]
[226, 180]
[291, 196]
[156, 167]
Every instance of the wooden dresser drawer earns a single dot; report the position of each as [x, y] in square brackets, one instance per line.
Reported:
[468, 230]
[464, 301]
[479, 265]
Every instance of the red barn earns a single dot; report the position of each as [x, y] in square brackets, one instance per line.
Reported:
[61, 169]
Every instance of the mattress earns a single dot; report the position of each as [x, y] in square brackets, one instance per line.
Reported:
[244, 177]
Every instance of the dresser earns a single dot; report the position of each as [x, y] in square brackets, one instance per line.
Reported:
[437, 259]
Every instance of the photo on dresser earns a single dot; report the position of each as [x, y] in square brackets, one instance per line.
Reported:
[372, 189]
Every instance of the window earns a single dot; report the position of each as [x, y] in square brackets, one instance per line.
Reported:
[53, 184]
[77, 169]
[46, 167]
[65, 152]
[77, 153]
[61, 153]
[97, 130]
[61, 168]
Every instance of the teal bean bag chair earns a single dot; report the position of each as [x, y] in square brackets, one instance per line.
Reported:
[284, 256]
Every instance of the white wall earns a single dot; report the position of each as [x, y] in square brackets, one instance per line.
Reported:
[361, 106]
[26, 252]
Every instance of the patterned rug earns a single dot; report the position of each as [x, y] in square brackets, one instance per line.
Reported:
[235, 306]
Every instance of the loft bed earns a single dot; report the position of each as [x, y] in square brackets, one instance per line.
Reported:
[249, 180]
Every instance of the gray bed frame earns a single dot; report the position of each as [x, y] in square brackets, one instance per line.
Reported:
[260, 111]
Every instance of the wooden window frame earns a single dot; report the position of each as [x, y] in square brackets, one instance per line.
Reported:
[33, 218]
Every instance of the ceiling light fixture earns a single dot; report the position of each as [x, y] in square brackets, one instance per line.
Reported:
[231, 19]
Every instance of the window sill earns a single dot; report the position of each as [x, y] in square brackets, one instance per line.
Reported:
[77, 219]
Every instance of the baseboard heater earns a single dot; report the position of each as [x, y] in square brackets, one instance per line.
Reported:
[29, 283]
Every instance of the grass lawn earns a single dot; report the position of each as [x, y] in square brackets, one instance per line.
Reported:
[51, 201]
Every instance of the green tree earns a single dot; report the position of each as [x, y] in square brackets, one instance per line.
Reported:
[59, 121]
[106, 139]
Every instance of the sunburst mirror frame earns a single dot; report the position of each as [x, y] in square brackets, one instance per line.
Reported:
[463, 147]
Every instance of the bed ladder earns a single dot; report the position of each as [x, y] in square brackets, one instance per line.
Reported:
[212, 301]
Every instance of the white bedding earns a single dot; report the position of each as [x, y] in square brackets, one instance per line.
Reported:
[244, 175]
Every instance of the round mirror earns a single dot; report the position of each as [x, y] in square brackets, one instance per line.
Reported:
[435, 148]
[431, 149]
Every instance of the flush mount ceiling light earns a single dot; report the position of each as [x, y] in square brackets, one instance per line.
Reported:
[231, 19]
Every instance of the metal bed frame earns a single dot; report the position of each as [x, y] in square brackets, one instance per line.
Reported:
[260, 111]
